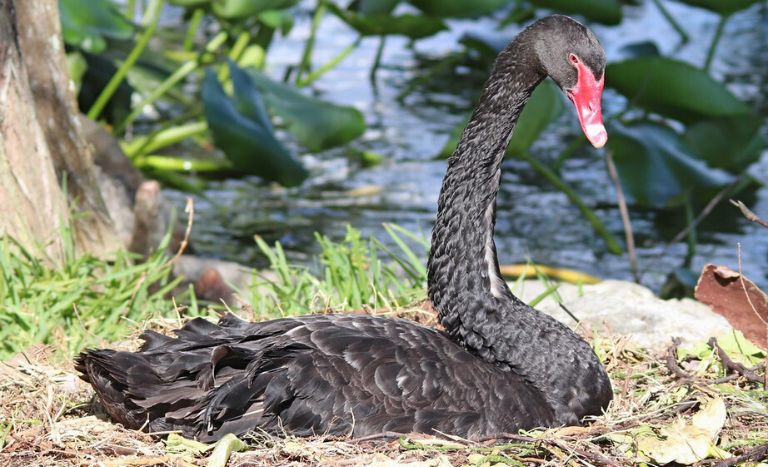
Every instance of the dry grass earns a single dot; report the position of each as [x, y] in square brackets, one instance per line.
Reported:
[48, 417]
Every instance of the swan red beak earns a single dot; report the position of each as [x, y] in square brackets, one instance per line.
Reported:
[586, 97]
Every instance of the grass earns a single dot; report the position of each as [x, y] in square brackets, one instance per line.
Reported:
[88, 301]
[354, 274]
[84, 302]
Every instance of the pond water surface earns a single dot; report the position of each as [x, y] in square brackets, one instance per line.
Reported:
[535, 221]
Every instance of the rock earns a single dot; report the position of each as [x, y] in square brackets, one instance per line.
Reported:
[213, 279]
[626, 308]
[212, 287]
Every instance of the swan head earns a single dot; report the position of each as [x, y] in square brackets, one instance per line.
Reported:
[571, 55]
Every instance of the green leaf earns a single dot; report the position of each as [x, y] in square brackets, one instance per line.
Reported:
[721, 7]
[740, 349]
[411, 26]
[316, 124]
[657, 168]
[640, 49]
[602, 11]
[237, 9]
[727, 143]
[542, 108]
[224, 449]
[545, 104]
[373, 7]
[190, 3]
[672, 88]
[458, 8]
[86, 24]
[177, 444]
[241, 128]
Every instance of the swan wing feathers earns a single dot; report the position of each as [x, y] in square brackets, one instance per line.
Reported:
[324, 374]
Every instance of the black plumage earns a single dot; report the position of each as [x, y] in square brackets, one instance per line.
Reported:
[499, 366]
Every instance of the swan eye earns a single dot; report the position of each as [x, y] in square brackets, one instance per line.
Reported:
[573, 59]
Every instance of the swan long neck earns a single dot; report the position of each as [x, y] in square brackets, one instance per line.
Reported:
[463, 271]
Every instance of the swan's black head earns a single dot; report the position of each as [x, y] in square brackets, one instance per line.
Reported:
[571, 55]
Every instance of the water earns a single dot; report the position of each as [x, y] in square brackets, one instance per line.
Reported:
[535, 221]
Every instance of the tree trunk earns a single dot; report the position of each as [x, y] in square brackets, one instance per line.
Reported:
[41, 140]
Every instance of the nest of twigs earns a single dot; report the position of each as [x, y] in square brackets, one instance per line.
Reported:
[49, 417]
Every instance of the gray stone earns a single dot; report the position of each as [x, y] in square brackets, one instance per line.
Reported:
[629, 309]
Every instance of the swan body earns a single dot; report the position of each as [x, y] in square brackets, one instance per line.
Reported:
[498, 367]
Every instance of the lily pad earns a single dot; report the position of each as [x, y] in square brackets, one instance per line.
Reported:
[602, 11]
[316, 124]
[731, 143]
[657, 168]
[408, 25]
[640, 49]
[373, 7]
[721, 7]
[545, 105]
[458, 8]
[542, 108]
[87, 24]
[673, 88]
[241, 128]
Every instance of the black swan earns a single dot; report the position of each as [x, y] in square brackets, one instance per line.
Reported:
[498, 367]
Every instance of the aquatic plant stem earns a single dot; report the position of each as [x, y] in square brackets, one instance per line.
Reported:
[377, 60]
[330, 65]
[622, 202]
[176, 76]
[566, 153]
[194, 24]
[306, 56]
[130, 9]
[162, 138]
[150, 20]
[692, 237]
[554, 179]
[672, 21]
[707, 209]
[715, 40]
[235, 52]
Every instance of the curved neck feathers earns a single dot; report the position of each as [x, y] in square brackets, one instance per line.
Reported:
[463, 272]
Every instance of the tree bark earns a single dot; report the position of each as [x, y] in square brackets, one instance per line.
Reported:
[42, 143]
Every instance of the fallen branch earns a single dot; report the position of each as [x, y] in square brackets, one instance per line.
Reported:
[594, 456]
[672, 364]
[733, 366]
[758, 453]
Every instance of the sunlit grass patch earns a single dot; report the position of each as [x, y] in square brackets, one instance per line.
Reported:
[355, 274]
[82, 302]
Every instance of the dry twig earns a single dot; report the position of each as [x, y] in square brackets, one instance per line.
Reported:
[733, 366]
[751, 216]
[624, 215]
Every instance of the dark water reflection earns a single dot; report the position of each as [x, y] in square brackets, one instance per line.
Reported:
[534, 220]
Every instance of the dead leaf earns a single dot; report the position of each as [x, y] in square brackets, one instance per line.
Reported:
[687, 442]
[736, 298]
